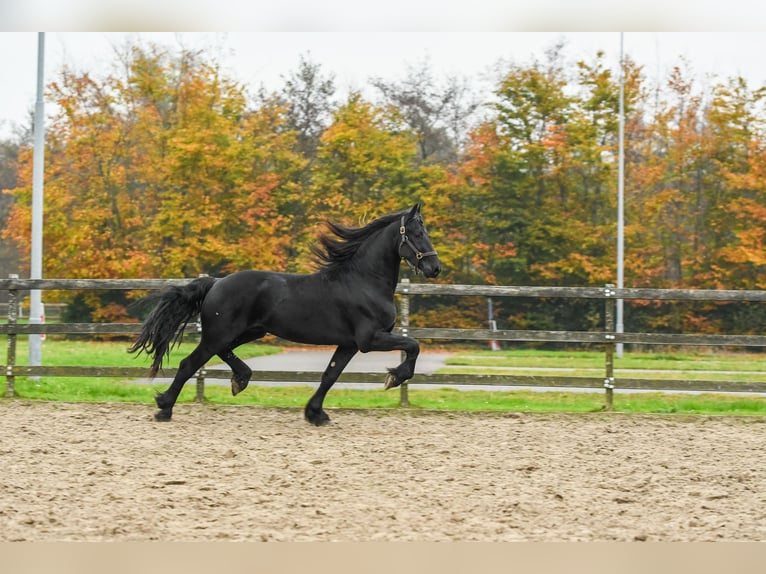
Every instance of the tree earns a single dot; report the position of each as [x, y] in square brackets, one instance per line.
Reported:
[308, 99]
[735, 194]
[364, 164]
[438, 114]
[520, 201]
[536, 184]
[9, 253]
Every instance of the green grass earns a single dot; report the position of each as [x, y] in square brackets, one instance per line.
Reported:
[432, 399]
[102, 354]
[115, 354]
[744, 362]
[79, 389]
[759, 377]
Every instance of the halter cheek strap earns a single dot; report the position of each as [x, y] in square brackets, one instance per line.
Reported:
[406, 241]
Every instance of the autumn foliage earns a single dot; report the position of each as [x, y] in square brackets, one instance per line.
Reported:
[169, 168]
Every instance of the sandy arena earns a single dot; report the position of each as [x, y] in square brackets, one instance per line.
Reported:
[109, 472]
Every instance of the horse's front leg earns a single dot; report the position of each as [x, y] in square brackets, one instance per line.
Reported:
[384, 341]
[314, 412]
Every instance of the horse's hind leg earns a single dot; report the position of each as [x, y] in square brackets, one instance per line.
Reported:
[313, 411]
[165, 401]
[240, 372]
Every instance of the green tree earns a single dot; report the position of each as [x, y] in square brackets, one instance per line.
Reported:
[364, 164]
[521, 225]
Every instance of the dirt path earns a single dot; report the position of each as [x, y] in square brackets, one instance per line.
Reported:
[108, 472]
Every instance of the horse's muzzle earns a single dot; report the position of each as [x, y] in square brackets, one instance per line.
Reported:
[430, 267]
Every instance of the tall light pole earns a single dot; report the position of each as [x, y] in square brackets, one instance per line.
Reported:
[620, 327]
[36, 268]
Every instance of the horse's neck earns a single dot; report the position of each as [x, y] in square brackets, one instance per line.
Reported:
[380, 260]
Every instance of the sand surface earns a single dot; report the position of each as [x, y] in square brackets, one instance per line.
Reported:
[108, 472]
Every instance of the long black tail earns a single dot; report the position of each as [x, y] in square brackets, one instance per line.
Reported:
[173, 308]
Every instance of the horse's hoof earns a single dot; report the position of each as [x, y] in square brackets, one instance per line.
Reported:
[163, 415]
[391, 382]
[238, 386]
[316, 418]
[162, 402]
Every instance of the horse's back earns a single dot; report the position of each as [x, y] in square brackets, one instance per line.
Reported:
[306, 308]
[242, 297]
[250, 279]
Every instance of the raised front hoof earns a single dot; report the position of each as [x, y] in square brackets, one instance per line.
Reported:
[392, 381]
[316, 417]
[163, 415]
[238, 385]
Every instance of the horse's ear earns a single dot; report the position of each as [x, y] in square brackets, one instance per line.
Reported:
[414, 211]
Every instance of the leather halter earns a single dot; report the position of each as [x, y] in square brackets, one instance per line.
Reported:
[406, 241]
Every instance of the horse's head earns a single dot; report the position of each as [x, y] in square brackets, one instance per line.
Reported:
[415, 245]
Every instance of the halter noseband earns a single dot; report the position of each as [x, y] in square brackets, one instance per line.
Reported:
[406, 241]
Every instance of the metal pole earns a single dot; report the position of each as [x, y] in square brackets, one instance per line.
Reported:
[36, 270]
[621, 203]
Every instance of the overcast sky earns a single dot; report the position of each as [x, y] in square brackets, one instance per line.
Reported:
[262, 58]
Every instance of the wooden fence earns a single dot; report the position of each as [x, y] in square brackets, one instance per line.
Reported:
[606, 337]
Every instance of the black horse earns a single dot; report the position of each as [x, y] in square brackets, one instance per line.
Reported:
[348, 302]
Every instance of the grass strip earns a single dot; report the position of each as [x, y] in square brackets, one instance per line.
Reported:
[686, 361]
[446, 399]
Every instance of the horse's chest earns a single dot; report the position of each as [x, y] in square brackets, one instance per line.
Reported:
[381, 310]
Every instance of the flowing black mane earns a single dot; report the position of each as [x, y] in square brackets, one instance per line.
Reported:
[333, 254]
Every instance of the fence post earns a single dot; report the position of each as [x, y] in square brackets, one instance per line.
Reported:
[404, 321]
[609, 343]
[200, 397]
[13, 309]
